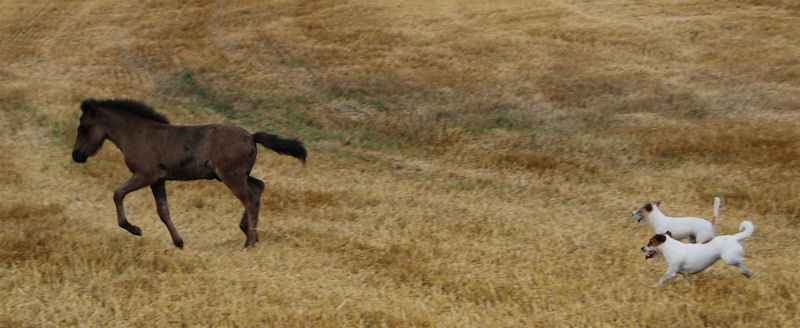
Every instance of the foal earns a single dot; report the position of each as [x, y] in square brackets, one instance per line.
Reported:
[156, 151]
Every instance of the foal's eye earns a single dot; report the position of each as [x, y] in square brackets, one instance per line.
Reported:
[83, 129]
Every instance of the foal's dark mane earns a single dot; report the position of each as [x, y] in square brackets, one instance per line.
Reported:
[126, 105]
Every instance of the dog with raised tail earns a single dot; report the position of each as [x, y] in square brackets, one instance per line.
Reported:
[698, 230]
[693, 258]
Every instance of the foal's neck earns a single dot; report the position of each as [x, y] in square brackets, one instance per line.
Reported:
[124, 129]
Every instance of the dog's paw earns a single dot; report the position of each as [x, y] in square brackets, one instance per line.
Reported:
[656, 285]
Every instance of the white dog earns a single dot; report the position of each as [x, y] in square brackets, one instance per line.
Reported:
[693, 258]
[697, 229]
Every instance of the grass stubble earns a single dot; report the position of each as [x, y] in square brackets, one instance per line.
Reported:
[472, 164]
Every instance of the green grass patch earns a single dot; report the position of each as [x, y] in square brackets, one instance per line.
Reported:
[22, 113]
[697, 113]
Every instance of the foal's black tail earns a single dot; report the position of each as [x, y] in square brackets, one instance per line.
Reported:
[280, 145]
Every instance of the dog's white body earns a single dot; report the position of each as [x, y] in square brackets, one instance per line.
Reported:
[698, 230]
[693, 258]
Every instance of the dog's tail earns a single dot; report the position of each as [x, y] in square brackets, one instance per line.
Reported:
[746, 229]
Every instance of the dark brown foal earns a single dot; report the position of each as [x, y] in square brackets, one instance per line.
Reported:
[156, 151]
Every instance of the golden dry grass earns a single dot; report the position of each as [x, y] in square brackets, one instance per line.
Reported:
[471, 163]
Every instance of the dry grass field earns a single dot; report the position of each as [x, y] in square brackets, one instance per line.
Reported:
[471, 163]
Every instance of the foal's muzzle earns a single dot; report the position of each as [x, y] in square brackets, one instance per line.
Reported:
[78, 156]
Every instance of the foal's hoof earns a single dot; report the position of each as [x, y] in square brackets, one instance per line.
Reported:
[252, 237]
[133, 229]
[250, 243]
[178, 243]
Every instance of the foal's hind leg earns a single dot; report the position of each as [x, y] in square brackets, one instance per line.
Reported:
[160, 194]
[239, 184]
[137, 181]
[256, 188]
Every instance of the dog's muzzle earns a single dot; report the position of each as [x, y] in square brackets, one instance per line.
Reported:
[650, 252]
[78, 156]
[638, 216]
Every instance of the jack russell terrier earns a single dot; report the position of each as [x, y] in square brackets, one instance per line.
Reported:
[697, 229]
[693, 258]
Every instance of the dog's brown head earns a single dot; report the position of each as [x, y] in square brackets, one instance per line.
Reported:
[645, 210]
[652, 246]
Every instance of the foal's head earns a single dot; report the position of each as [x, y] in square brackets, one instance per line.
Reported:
[90, 134]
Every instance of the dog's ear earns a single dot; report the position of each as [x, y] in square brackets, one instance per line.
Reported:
[648, 207]
[668, 233]
[661, 238]
[658, 203]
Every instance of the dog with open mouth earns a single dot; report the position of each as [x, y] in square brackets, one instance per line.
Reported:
[698, 230]
[692, 258]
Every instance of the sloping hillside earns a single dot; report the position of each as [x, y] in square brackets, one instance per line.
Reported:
[471, 163]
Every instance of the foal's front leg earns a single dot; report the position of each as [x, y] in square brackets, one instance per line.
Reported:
[136, 182]
[160, 194]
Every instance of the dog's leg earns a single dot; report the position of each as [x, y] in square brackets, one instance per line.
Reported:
[687, 279]
[743, 268]
[671, 272]
[736, 260]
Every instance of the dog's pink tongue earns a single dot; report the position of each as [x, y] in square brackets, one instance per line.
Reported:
[650, 254]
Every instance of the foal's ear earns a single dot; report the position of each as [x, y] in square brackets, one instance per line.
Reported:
[88, 106]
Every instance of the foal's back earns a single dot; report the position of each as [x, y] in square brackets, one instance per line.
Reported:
[199, 151]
